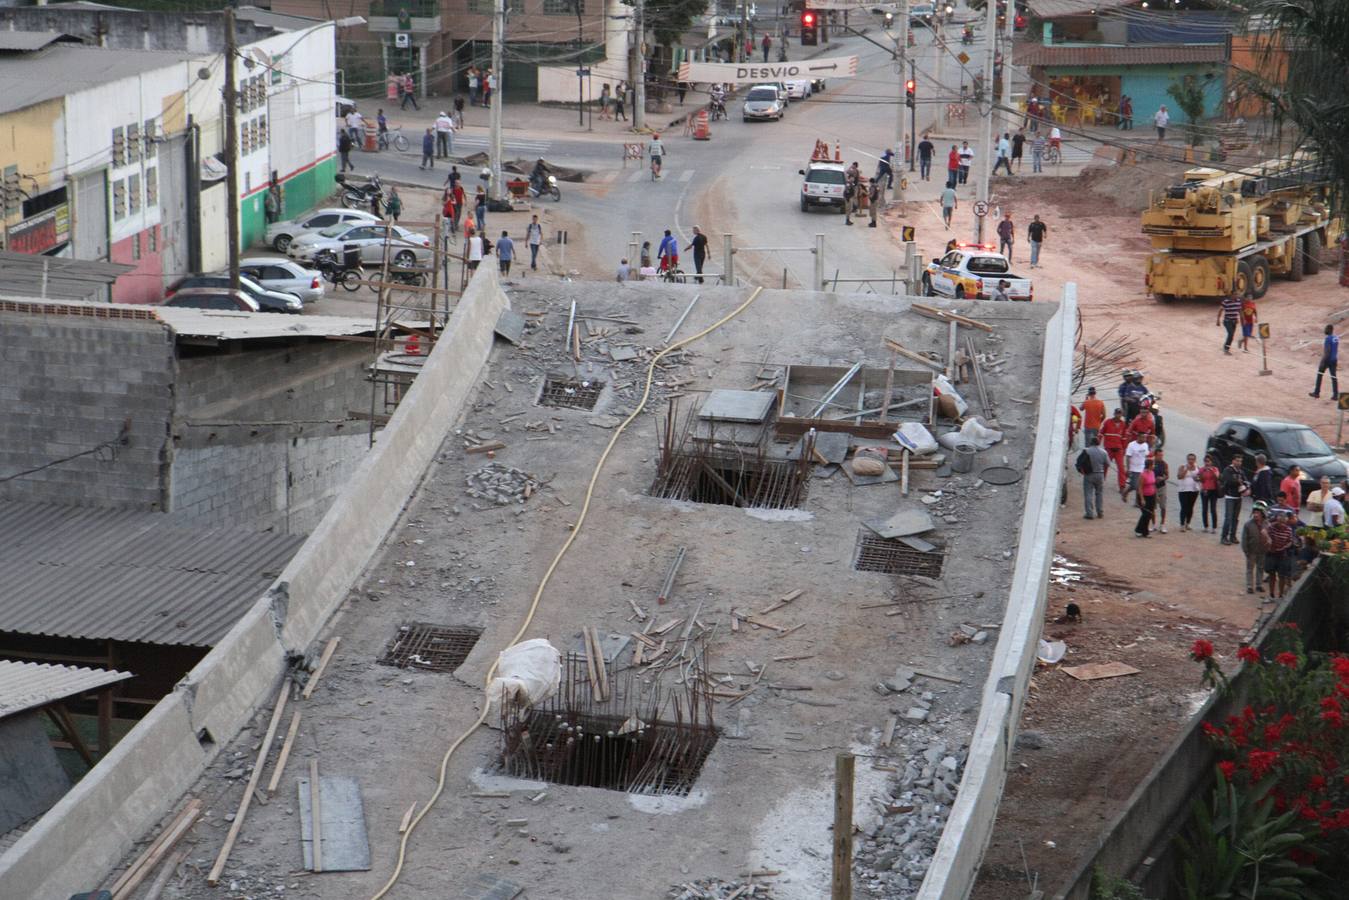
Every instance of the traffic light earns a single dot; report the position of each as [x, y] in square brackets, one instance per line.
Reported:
[809, 27]
[908, 92]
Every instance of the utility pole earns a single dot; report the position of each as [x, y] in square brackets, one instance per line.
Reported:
[498, 35]
[1009, 35]
[232, 146]
[986, 139]
[901, 53]
[913, 116]
[639, 80]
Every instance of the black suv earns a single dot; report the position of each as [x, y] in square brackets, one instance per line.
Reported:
[1284, 444]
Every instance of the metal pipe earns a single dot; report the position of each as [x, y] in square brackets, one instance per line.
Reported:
[681, 319]
[833, 391]
[668, 585]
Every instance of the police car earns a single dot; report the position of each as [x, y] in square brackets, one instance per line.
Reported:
[823, 184]
[972, 271]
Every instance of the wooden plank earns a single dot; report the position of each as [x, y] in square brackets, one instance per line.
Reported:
[951, 330]
[599, 661]
[484, 448]
[315, 815]
[285, 752]
[911, 355]
[57, 713]
[407, 818]
[591, 670]
[889, 388]
[888, 738]
[844, 767]
[145, 863]
[1094, 671]
[328, 652]
[904, 472]
[162, 879]
[933, 312]
[213, 878]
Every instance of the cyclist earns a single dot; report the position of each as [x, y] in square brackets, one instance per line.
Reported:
[1055, 138]
[383, 124]
[668, 252]
[657, 153]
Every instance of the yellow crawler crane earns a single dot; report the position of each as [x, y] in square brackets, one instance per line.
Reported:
[1219, 233]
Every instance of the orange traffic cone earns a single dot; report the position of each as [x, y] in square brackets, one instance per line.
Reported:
[413, 346]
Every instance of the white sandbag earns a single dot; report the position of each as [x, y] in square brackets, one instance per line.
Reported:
[529, 671]
[977, 433]
[1051, 652]
[915, 438]
[946, 388]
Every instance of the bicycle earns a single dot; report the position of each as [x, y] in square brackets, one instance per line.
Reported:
[655, 168]
[1053, 155]
[396, 137]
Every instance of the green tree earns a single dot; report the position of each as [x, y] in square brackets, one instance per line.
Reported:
[669, 19]
[1189, 97]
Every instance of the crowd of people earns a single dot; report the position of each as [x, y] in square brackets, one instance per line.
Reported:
[1131, 441]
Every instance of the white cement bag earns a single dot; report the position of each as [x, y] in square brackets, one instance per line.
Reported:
[915, 438]
[944, 386]
[529, 671]
[974, 433]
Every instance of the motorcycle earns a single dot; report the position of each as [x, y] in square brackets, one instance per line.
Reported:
[345, 270]
[717, 109]
[549, 187]
[359, 196]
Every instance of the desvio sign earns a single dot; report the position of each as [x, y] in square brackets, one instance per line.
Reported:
[837, 67]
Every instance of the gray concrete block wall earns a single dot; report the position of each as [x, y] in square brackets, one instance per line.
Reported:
[70, 384]
[321, 380]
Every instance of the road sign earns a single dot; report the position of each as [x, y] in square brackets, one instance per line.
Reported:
[963, 57]
[1264, 331]
[728, 73]
[582, 72]
[906, 233]
[1343, 402]
[981, 208]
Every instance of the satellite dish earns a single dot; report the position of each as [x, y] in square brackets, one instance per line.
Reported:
[204, 74]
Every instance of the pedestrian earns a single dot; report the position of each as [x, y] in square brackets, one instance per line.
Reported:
[381, 130]
[475, 248]
[428, 149]
[1128, 113]
[409, 92]
[1119, 114]
[1330, 358]
[682, 88]
[1147, 499]
[767, 44]
[1000, 292]
[1262, 482]
[874, 201]
[1004, 154]
[271, 201]
[925, 150]
[480, 208]
[1037, 154]
[344, 152]
[1291, 488]
[1210, 478]
[393, 207]
[534, 238]
[1143, 424]
[458, 192]
[699, 247]
[668, 252]
[885, 174]
[1161, 120]
[1279, 554]
[474, 85]
[458, 110]
[505, 252]
[620, 99]
[953, 167]
[489, 88]
[966, 160]
[1229, 314]
[1093, 463]
[1113, 431]
[1035, 233]
[604, 102]
[393, 89]
[1093, 415]
[1332, 515]
[355, 125]
[444, 135]
[449, 211]
[1253, 541]
[624, 271]
[1233, 487]
[645, 261]
[1161, 471]
[1187, 489]
[851, 190]
[1135, 456]
[1006, 236]
[948, 204]
[1018, 146]
[1249, 316]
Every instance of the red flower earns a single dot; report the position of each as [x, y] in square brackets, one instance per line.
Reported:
[1201, 650]
[1316, 783]
[1228, 768]
[1248, 654]
[1210, 730]
[1287, 659]
[1331, 702]
[1333, 717]
[1260, 762]
[1341, 666]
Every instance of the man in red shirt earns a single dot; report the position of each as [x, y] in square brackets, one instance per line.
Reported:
[1143, 423]
[1093, 414]
[1113, 433]
[952, 167]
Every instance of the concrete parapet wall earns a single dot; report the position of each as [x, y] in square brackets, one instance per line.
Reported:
[968, 829]
[73, 847]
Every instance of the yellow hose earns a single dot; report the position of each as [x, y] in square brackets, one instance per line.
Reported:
[547, 576]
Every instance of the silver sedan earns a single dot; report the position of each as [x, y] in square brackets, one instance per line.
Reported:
[278, 274]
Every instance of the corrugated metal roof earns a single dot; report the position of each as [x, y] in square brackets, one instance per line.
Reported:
[1036, 55]
[65, 279]
[279, 21]
[28, 685]
[127, 575]
[61, 69]
[33, 40]
[1055, 9]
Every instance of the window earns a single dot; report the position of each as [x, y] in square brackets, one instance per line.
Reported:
[322, 221]
[118, 147]
[149, 138]
[153, 237]
[482, 7]
[13, 196]
[262, 131]
[151, 187]
[133, 192]
[133, 143]
[253, 134]
[119, 199]
[563, 7]
[245, 148]
[136, 248]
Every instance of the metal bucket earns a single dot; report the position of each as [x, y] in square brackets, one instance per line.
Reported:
[962, 458]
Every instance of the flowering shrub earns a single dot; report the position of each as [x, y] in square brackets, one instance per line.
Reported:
[1288, 749]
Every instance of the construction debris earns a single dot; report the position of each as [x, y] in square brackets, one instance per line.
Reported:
[501, 484]
[717, 889]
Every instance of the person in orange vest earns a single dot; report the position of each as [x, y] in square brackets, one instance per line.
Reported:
[1093, 414]
[1113, 433]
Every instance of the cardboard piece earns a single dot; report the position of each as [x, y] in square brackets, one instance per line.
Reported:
[1094, 671]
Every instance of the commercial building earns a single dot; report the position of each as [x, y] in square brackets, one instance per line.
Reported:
[112, 134]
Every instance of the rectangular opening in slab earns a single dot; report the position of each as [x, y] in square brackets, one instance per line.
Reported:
[892, 556]
[606, 751]
[732, 481]
[572, 393]
[436, 648]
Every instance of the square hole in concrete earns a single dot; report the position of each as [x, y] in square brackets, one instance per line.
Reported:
[603, 751]
[436, 648]
[570, 392]
[893, 557]
[732, 481]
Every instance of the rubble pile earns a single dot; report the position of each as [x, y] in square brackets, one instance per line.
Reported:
[716, 889]
[501, 484]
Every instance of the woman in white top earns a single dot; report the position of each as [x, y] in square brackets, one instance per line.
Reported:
[1316, 500]
[1187, 488]
[474, 251]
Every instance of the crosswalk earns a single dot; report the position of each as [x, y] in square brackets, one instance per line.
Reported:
[474, 143]
[632, 175]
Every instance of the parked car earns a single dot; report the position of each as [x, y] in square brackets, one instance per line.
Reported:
[823, 184]
[406, 248]
[278, 274]
[280, 234]
[210, 298]
[799, 89]
[267, 300]
[973, 271]
[1283, 443]
[763, 102]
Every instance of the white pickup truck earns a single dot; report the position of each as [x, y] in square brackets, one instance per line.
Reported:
[972, 271]
[823, 184]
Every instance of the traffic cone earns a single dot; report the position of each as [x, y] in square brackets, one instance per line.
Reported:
[838, 154]
[413, 346]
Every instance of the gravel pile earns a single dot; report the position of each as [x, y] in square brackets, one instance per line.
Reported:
[716, 889]
[501, 484]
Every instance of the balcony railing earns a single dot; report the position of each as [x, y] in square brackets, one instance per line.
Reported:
[417, 16]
